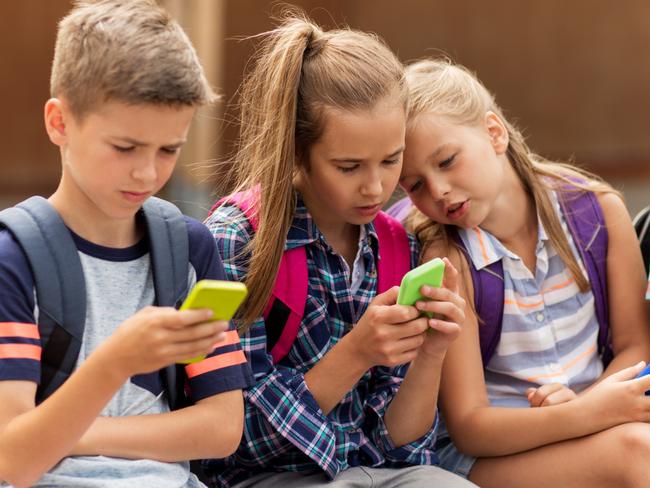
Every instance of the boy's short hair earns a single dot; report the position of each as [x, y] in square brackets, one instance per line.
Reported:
[130, 51]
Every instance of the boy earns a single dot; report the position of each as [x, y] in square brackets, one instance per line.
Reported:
[125, 85]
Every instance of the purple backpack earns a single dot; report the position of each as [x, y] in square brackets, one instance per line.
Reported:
[284, 312]
[587, 226]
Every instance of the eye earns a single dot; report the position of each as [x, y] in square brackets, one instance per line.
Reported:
[414, 187]
[123, 149]
[170, 151]
[391, 162]
[347, 169]
[447, 162]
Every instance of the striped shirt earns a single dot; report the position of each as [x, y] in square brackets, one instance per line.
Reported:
[285, 430]
[550, 329]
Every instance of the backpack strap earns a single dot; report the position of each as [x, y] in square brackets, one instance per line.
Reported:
[488, 283]
[641, 224]
[394, 252]
[169, 247]
[169, 243]
[59, 282]
[586, 222]
[286, 307]
[400, 209]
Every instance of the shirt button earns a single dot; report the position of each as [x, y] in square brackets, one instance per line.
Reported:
[540, 317]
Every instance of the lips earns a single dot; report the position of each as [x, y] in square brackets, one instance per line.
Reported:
[457, 210]
[136, 196]
[369, 209]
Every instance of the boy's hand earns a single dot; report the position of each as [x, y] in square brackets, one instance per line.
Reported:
[450, 308]
[551, 394]
[387, 334]
[156, 337]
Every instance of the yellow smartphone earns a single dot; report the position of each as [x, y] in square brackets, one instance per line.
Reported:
[222, 297]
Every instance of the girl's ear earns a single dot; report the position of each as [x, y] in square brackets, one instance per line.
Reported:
[497, 132]
[55, 121]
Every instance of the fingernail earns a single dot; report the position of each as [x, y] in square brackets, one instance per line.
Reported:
[419, 305]
[426, 289]
[432, 323]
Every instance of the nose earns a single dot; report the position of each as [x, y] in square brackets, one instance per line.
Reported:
[145, 169]
[372, 185]
[438, 187]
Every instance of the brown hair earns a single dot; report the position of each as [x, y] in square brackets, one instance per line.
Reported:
[441, 87]
[131, 51]
[299, 70]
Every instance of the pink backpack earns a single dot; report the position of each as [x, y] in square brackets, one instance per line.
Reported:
[284, 312]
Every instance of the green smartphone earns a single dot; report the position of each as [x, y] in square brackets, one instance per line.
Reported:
[429, 273]
[222, 297]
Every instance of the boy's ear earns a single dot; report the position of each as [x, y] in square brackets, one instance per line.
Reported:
[497, 131]
[55, 121]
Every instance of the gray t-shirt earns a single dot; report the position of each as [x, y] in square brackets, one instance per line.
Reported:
[110, 302]
[119, 282]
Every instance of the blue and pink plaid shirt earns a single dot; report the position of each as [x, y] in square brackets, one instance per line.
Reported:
[285, 430]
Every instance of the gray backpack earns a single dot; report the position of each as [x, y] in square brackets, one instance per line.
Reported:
[60, 285]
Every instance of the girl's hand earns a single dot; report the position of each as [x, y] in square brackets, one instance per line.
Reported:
[551, 394]
[620, 397]
[387, 334]
[156, 337]
[450, 309]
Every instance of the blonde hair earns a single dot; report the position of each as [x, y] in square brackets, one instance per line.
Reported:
[300, 69]
[443, 88]
[131, 51]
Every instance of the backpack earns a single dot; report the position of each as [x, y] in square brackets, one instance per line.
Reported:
[285, 309]
[586, 223]
[641, 224]
[60, 286]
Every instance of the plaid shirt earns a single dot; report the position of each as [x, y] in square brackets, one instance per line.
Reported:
[285, 430]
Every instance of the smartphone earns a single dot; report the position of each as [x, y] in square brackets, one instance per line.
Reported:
[429, 273]
[222, 297]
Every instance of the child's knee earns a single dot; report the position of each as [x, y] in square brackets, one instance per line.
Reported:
[629, 452]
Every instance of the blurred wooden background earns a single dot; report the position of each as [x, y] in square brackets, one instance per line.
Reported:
[574, 75]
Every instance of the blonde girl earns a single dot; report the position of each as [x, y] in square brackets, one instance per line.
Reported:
[547, 409]
[322, 135]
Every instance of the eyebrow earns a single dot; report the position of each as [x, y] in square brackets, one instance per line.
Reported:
[433, 155]
[357, 160]
[135, 142]
[438, 151]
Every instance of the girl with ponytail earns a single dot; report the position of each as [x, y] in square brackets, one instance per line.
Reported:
[320, 151]
[539, 389]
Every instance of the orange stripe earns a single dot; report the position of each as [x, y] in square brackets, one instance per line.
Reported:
[482, 244]
[16, 329]
[20, 351]
[568, 365]
[558, 287]
[575, 360]
[215, 362]
[522, 304]
[232, 337]
[537, 304]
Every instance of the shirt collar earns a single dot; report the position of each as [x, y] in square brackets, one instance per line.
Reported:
[485, 249]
